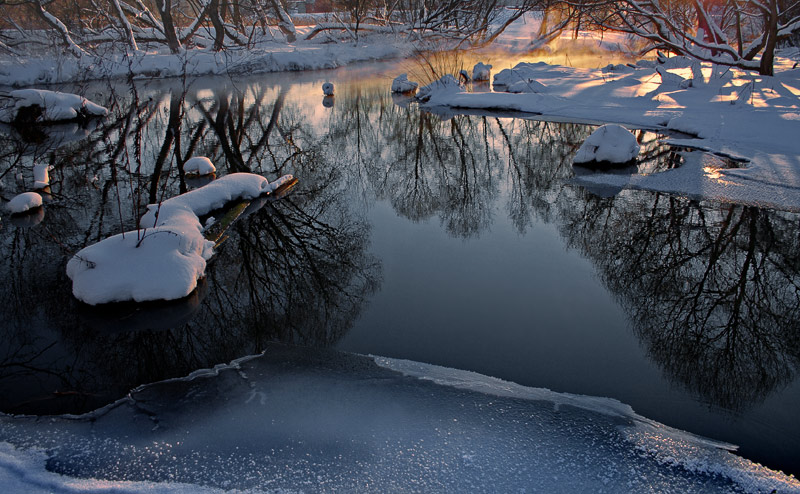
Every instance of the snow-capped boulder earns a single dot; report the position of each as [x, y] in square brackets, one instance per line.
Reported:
[31, 106]
[327, 89]
[527, 86]
[199, 165]
[24, 202]
[401, 84]
[481, 72]
[447, 84]
[609, 144]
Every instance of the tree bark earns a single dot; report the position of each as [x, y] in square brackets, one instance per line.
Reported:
[165, 9]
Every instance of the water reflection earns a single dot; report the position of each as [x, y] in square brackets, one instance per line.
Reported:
[711, 289]
[294, 269]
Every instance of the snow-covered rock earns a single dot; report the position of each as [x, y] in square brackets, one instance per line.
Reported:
[199, 165]
[527, 86]
[447, 84]
[38, 105]
[41, 176]
[24, 202]
[610, 143]
[481, 72]
[401, 84]
[464, 76]
[327, 89]
[523, 71]
[164, 258]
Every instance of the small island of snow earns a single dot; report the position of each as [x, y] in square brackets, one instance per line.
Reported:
[481, 72]
[610, 143]
[24, 202]
[327, 89]
[33, 106]
[199, 165]
[401, 84]
[164, 258]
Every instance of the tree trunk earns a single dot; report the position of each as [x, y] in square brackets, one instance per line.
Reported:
[771, 28]
[165, 9]
[216, 21]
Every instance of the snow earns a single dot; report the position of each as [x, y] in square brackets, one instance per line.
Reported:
[164, 258]
[264, 56]
[481, 72]
[610, 143]
[327, 89]
[56, 106]
[24, 202]
[447, 84]
[401, 84]
[303, 420]
[728, 112]
[199, 165]
[41, 176]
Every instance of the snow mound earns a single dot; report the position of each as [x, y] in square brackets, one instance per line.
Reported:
[199, 165]
[526, 86]
[38, 105]
[446, 85]
[164, 258]
[24, 202]
[481, 72]
[41, 176]
[610, 143]
[327, 89]
[523, 71]
[401, 84]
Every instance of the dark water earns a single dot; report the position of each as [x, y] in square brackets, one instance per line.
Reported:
[454, 240]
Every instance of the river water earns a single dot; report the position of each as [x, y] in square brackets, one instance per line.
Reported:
[456, 240]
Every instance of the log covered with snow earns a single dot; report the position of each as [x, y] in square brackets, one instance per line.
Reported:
[167, 255]
[39, 106]
[608, 145]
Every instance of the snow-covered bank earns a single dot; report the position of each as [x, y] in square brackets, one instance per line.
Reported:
[266, 57]
[298, 420]
[756, 118]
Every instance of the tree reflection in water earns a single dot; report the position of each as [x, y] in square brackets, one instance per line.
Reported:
[293, 270]
[712, 289]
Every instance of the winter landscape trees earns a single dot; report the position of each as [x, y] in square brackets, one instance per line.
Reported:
[739, 33]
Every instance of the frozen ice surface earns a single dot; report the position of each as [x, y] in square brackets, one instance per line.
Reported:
[297, 420]
[24, 202]
[610, 143]
[199, 165]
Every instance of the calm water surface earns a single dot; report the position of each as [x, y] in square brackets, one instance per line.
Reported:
[454, 240]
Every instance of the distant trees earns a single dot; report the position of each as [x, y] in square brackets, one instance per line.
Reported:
[84, 25]
[738, 33]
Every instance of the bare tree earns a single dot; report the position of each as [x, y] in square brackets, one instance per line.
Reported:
[701, 29]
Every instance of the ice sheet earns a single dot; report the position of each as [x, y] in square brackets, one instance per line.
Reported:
[298, 420]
